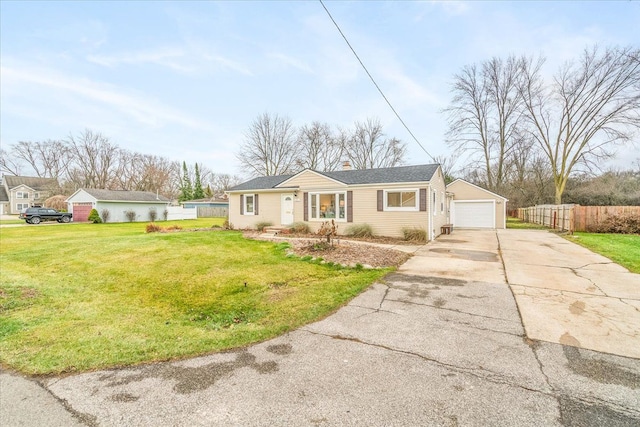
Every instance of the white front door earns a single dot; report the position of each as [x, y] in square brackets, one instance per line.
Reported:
[286, 205]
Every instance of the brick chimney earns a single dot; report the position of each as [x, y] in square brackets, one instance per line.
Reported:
[346, 166]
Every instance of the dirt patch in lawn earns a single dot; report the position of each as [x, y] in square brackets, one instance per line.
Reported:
[345, 252]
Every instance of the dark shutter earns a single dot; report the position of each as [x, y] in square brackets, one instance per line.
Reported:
[380, 201]
[349, 206]
[242, 204]
[423, 200]
[255, 204]
[305, 202]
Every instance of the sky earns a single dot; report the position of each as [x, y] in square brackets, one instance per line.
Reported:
[185, 79]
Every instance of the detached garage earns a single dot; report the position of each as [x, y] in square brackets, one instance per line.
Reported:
[475, 207]
[119, 204]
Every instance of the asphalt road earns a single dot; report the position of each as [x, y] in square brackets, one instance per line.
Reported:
[440, 342]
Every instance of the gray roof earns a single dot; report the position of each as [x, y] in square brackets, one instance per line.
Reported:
[34, 182]
[416, 173]
[261, 183]
[4, 197]
[125, 196]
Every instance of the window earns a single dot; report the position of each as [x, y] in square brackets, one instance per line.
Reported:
[327, 205]
[401, 200]
[22, 195]
[36, 195]
[433, 205]
[442, 202]
[249, 204]
[22, 206]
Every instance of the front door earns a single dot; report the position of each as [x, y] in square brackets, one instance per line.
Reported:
[286, 205]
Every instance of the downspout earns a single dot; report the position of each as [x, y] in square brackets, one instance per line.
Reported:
[429, 213]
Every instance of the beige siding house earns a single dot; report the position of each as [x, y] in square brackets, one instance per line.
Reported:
[475, 207]
[387, 199]
[18, 193]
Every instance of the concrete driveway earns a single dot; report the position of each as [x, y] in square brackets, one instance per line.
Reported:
[570, 295]
[440, 342]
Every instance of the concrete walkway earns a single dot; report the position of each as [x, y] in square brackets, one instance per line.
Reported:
[569, 295]
[439, 342]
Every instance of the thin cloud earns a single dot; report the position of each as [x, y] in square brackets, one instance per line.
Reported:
[145, 112]
[164, 57]
[291, 62]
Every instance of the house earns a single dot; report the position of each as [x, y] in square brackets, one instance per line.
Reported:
[118, 203]
[475, 207]
[17, 193]
[387, 199]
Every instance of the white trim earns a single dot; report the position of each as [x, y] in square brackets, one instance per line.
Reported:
[244, 204]
[263, 190]
[385, 200]
[479, 188]
[335, 193]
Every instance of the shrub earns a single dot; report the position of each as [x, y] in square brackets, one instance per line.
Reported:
[105, 215]
[300, 228]
[153, 214]
[359, 230]
[625, 223]
[415, 234]
[153, 228]
[94, 216]
[328, 230]
[58, 202]
[130, 215]
[227, 225]
[260, 226]
[165, 214]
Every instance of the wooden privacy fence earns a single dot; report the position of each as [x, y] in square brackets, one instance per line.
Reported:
[573, 217]
[212, 212]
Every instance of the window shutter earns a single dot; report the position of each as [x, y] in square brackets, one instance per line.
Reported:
[242, 204]
[423, 200]
[305, 200]
[255, 204]
[380, 201]
[349, 206]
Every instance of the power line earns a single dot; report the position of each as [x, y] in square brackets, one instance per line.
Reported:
[374, 82]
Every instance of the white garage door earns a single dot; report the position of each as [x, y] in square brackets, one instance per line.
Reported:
[479, 214]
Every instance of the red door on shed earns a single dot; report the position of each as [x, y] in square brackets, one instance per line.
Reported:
[81, 212]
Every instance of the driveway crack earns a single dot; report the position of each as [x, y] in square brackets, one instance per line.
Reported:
[489, 375]
[455, 310]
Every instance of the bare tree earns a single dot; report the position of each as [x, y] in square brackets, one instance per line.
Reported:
[94, 159]
[367, 147]
[270, 147]
[224, 181]
[47, 159]
[9, 164]
[319, 148]
[484, 115]
[592, 105]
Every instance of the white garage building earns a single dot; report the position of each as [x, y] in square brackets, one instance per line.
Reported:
[474, 207]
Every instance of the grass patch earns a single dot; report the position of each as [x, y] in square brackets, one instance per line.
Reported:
[517, 223]
[78, 297]
[623, 249]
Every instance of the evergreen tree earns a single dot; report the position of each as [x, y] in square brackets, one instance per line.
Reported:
[186, 192]
[208, 192]
[198, 192]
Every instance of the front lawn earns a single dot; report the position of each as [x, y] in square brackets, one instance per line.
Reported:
[77, 297]
[623, 249]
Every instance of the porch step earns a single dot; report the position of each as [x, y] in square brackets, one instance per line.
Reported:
[273, 230]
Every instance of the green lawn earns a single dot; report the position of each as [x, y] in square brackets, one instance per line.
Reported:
[519, 224]
[75, 297]
[623, 249]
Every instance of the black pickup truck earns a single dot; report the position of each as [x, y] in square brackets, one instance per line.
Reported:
[37, 215]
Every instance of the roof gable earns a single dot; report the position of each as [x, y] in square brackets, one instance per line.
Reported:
[33, 182]
[463, 182]
[309, 174]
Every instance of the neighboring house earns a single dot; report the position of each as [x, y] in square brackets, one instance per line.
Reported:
[117, 202]
[17, 193]
[387, 199]
[475, 207]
